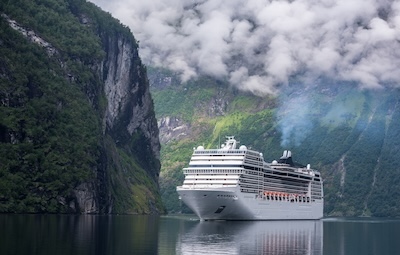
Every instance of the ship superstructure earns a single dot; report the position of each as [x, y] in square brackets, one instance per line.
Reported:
[237, 184]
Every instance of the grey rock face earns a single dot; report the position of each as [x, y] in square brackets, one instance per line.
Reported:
[117, 83]
[172, 128]
[127, 90]
[86, 198]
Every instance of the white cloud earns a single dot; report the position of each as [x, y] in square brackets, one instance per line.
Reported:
[258, 45]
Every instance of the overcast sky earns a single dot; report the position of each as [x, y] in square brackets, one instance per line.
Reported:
[259, 44]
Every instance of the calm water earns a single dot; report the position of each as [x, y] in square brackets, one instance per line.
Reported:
[65, 234]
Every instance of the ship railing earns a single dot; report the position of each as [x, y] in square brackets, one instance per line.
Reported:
[283, 167]
[207, 186]
[216, 151]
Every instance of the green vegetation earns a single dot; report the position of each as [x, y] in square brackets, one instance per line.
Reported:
[52, 106]
[180, 102]
[131, 184]
[49, 133]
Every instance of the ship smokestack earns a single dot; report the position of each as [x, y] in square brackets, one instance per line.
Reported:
[286, 158]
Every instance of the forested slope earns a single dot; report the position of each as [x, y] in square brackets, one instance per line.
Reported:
[77, 126]
[350, 135]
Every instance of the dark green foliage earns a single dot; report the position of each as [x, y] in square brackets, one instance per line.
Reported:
[55, 22]
[52, 106]
[383, 200]
[136, 191]
[49, 133]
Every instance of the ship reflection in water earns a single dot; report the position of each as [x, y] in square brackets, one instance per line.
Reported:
[252, 237]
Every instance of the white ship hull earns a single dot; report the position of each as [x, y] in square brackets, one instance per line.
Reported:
[231, 204]
[237, 184]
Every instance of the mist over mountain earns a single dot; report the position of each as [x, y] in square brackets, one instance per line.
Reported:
[262, 46]
[259, 45]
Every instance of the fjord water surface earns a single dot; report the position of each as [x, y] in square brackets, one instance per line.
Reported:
[185, 234]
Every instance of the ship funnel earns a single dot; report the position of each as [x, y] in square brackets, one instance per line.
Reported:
[286, 158]
[286, 154]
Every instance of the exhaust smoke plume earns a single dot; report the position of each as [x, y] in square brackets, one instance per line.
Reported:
[258, 45]
[293, 119]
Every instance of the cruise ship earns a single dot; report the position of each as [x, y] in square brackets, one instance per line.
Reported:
[233, 183]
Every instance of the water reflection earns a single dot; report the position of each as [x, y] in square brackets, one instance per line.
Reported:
[252, 237]
[167, 235]
[85, 234]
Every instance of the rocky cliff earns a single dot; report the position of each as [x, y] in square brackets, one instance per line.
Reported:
[77, 126]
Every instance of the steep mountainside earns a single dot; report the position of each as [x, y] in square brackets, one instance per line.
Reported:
[77, 126]
[351, 136]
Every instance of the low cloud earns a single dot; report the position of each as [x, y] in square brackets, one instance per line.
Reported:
[258, 45]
